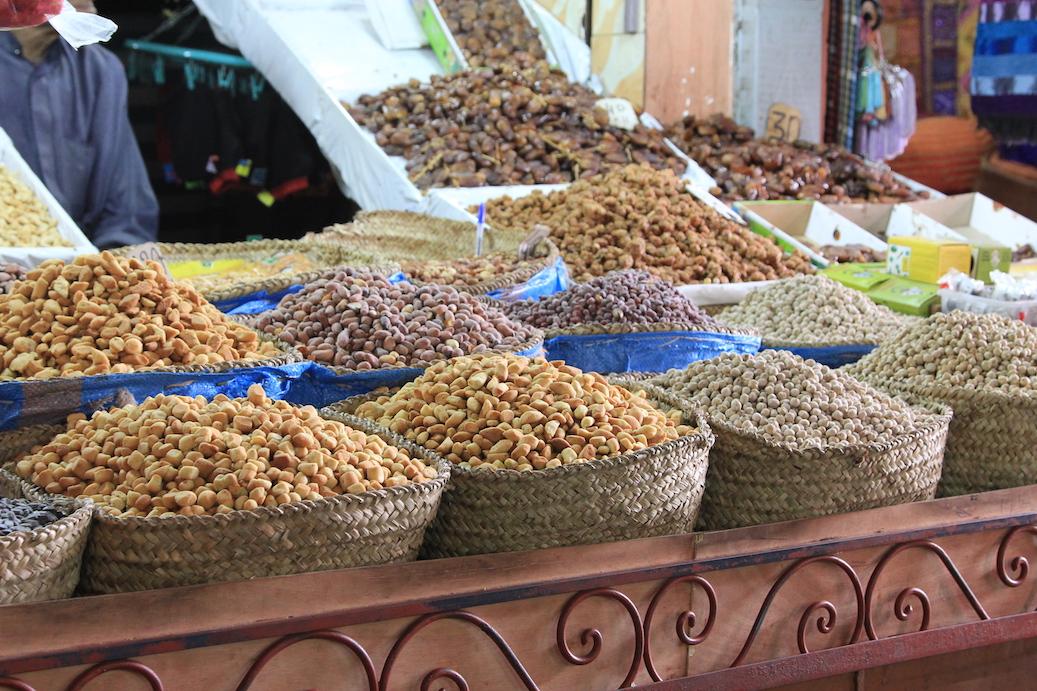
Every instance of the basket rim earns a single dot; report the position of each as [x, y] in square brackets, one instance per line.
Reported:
[702, 437]
[19, 538]
[287, 510]
[942, 392]
[509, 279]
[657, 327]
[940, 413]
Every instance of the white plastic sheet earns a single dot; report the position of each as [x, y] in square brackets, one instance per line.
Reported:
[30, 257]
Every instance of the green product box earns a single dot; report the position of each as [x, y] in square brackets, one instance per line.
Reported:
[987, 255]
[862, 277]
[906, 296]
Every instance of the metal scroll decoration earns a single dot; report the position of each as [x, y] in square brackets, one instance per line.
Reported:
[686, 620]
[132, 666]
[1019, 564]
[826, 622]
[14, 684]
[593, 637]
[288, 641]
[902, 606]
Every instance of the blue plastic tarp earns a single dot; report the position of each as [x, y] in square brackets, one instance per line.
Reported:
[548, 281]
[256, 302]
[646, 352]
[833, 356]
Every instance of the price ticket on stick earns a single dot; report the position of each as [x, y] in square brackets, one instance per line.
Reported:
[149, 251]
[528, 246]
[480, 229]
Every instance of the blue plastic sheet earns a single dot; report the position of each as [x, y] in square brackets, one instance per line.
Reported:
[646, 352]
[50, 401]
[833, 356]
[548, 281]
[255, 302]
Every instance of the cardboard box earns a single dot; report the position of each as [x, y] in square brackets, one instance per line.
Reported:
[987, 254]
[927, 260]
[906, 296]
[976, 215]
[862, 277]
[806, 226]
[891, 220]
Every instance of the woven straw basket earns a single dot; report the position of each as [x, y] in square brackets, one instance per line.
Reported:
[379, 527]
[646, 493]
[41, 564]
[396, 236]
[326, 255]
[993, 437]
[753, 480]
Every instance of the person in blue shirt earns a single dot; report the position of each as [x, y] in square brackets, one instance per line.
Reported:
[66, 112]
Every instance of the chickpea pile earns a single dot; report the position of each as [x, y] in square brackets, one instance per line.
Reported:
[638, 218]
[504, 411]
[815, 310]
[504, 126]
[175, 455]
[491, 32]
[962, 349]
[755, 169]
[109, 315]
[619, 297]
[25, 221]
[466, 271]
[788, 399]
[355, 319]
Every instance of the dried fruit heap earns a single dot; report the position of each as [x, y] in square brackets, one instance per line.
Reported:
[491, 32]
[746, 168]
[639, 218]
[503, 126]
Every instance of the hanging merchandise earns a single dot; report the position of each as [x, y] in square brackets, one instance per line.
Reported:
[886, 112]
[1004, 76]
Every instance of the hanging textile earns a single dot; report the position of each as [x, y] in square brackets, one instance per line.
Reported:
[886, 102]
[1004, 70]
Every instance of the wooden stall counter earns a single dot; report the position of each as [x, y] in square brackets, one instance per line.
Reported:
[936, 594]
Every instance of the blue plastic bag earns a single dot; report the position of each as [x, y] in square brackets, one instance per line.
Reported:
[548, 281]
[255, 302]
[646, 351]
[833, 356]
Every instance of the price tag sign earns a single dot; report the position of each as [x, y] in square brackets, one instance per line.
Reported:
[621, 112]
[536, 236]
[783, 122]
[148, 252]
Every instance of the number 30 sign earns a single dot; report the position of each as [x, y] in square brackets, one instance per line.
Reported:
[783, 122]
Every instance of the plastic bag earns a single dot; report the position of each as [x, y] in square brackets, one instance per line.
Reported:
[78, 28]
[548, 281]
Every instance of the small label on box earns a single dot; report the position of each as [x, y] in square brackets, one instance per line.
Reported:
[899, 260]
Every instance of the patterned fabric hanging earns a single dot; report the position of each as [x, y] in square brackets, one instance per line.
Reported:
[1004, 70]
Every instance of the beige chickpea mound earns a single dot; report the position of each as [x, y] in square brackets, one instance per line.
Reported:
[103, 314]
[176, 455]
[504, 411]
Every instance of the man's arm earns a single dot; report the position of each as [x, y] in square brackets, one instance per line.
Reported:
[121, 209]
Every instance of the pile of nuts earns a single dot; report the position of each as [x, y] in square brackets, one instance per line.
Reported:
[355, 319]
[752, 169]
[18, 515]
[109, 315]
[25, 221]
[962, 349]
[852, 254]
[619, 297]
[788, 399]
[493, 32]
[504, 126]
[503, 411]
[466, 271]
[9, 273]
[815, 310]
[179, 455]
[639, 218]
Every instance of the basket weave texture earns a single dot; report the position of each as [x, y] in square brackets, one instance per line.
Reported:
[395, 236]
[993, 437]
[658, 327]
[40, 564]
[328, 255]
[753, 480]
[378, 527]
[647, 493]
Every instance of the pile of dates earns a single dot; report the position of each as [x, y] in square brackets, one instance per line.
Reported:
[492, 32]
[751, 169]
[504, 126]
